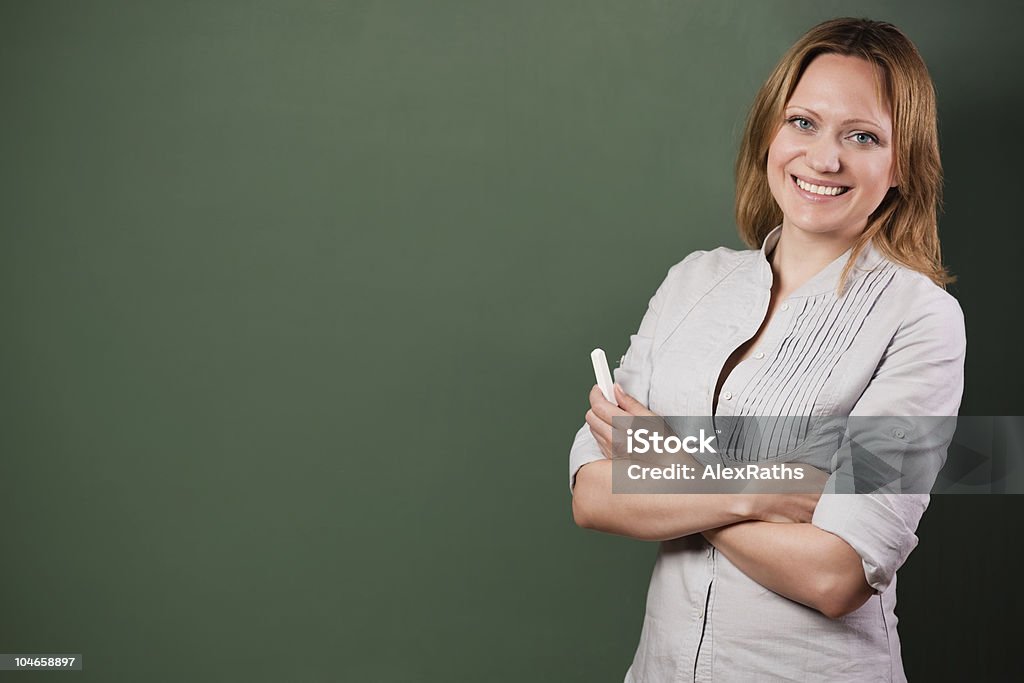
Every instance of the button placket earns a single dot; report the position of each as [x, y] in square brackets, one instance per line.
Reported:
[777, 330]
[746, 369]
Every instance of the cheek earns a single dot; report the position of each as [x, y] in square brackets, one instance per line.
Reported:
[780, 152]
[880, 173]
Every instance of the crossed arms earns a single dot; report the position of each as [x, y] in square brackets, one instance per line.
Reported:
[768, 536]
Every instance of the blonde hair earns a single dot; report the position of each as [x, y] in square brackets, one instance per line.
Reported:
[905, 224]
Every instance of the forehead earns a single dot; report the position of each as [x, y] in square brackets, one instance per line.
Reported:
[842, 87]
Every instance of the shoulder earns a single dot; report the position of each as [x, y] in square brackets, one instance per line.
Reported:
[923, 299]
[926, 309]
[709, 265]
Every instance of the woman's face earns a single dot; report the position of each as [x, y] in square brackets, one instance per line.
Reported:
[831, 163]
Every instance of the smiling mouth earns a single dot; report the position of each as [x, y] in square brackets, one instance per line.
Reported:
[822, 190]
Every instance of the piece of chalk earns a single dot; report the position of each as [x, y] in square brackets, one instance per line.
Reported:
[604, 377]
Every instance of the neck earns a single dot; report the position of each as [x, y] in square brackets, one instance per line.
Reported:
[800, 255]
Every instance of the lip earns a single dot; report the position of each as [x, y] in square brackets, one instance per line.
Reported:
[815, 181]
[810, 196]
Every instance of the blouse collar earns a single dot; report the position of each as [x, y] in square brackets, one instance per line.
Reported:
[828, 278]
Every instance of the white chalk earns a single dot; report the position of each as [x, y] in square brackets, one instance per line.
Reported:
[603, 375]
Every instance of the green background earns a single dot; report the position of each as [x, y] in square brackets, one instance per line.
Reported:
[297, 299]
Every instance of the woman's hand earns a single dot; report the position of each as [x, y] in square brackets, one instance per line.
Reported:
[784, 507]
[601, 412]
[788, 499]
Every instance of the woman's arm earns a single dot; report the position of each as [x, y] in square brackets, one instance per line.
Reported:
[798, 561]
[662, 516]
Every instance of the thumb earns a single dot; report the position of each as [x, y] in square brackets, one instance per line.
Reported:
[624, 400]
[630, 404]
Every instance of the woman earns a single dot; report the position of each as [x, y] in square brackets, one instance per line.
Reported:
[840, 310]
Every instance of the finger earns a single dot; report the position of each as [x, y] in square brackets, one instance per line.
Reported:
[605, 446]
[601, 430]
[598, 427]
[625, 400]
[606, 449]
[601, 406]
[630, 404]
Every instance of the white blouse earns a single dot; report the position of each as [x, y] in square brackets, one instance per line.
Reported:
[892, 345]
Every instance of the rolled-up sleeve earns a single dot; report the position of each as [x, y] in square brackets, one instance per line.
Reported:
[633, 373]
[921, 374]
[879, 527]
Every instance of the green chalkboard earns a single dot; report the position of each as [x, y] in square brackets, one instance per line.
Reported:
[296, 299]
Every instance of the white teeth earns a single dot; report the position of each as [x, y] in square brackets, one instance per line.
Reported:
[818, 189]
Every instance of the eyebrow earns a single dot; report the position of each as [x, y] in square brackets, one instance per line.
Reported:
[844, 123]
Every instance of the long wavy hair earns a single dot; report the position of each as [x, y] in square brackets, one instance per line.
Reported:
[904, 227]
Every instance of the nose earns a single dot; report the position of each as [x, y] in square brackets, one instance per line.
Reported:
[823, 155]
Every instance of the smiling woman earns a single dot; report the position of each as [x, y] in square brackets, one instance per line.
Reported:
[839, 310]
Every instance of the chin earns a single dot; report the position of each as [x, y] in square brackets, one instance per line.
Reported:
[821, 227]
[818, 228]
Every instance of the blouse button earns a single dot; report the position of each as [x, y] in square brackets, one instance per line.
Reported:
[898, 433]
[727, 395]
[785, 307]
[759, 355]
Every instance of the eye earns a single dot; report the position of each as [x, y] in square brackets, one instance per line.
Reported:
[864, 139]
[801, 123]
